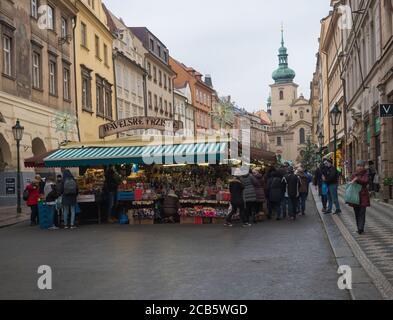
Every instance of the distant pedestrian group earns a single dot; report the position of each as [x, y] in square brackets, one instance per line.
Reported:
[283, 190]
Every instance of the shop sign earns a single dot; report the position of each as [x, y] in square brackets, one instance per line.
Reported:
[138, 123]
[386, 110]
[10, 186]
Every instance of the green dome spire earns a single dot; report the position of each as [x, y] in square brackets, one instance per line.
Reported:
[283, 74]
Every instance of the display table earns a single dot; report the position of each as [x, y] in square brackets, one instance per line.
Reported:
[89, 200]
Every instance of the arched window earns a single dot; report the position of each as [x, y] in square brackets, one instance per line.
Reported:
[281, 94]
[302, 134]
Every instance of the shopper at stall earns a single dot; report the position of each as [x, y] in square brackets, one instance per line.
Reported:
[361, 177]
[112, 182]
[260, 192]
[41, 184]
[292, 185]
[236, 189]
[331, 177]
[276, 191]
[303, 190]
[33, 196]
[250, 197]
[50, 199]
[171, 207]
[69, 193]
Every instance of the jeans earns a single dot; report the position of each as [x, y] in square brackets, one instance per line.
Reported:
[66, 211]
[293, 204]
[303, 200]
[360, 213]
[34, 214]
[333, 197]
[111, 203]
[275, 206]
[235, 207]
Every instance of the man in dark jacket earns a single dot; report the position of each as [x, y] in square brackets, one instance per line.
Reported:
[318, 181]
[236, 188]
[292, 183]
[275, 194]
[112, 182]
[331, 178]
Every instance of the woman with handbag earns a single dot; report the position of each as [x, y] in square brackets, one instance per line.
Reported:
[361, 177]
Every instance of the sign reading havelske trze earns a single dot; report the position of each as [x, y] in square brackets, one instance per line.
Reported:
[386, 110]
[137, 123]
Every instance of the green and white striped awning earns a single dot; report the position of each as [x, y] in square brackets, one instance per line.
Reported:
[196, 153]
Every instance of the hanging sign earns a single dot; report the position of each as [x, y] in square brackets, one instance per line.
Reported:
[137, 123]
[386, 110]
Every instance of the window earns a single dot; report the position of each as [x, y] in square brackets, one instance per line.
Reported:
[97, 43]
[86, 90]
[66, 84]
[155, 74]
[149, 69]
[302, 135]
[150, 100]
[165, 56]
[169, 84]
[170, 108]
[197, 95]
[166, 107]
[281, 94]
[99, 97]
[52, 78]
[34, 8]
[106, 54]
[51, 18]
[108, 101]
[7, 55]
[160, 77]
[155, 102]
[36, 70]
[161, 110]
[64, 28]
[279, 141]
[83, 35]
[152, 44]
[165, 82]
[200, 97]
[159, 51]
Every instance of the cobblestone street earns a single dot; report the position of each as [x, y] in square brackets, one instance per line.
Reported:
[272, 260]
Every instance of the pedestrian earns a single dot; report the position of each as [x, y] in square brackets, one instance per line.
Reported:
[292, 184]
[266, 179]
[171, 207]
[236, 189]
[276, 191]
[41, 184]
[69, 192]
[260, 192]
[250, 197]
[304, 189]
[284, 201]
[33, 196]
[51, 199]
[331, 178]
[111, 185]
[361, 176]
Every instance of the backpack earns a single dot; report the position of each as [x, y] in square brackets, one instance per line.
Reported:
[70, 187]
[25, 195]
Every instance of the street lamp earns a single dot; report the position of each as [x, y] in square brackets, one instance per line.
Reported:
[335, 118]
[321, 140]
[17, 131]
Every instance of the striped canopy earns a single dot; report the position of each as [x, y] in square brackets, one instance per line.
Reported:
[195, 153]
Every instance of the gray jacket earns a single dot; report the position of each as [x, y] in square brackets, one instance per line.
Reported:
[250, 183]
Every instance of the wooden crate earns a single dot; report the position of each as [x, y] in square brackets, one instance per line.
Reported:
[147, 221]
[218, 220]
[187, 220]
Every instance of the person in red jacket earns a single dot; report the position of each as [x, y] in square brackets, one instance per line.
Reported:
[32, 201]
[361, 177]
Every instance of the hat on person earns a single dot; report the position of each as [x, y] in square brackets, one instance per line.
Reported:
[360, 163]
[291, 170]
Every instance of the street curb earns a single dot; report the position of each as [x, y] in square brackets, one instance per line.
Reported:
[363, 288]
[12, 223]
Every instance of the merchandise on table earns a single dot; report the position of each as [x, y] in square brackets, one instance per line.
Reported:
[143, 214]
[92, 182]
[205, 212]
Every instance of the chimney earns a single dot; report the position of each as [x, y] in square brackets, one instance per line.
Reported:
[208, 80]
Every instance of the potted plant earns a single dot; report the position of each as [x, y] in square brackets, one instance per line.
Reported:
[388, 184]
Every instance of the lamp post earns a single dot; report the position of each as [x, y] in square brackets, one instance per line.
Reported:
[321, 140]
[17, 131]
[335, 118]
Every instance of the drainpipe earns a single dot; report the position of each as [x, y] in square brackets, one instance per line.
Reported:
[75, 82]
[145, 85]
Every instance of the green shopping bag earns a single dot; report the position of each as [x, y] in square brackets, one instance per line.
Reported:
[352, 194]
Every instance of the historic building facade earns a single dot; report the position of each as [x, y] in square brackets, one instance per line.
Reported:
[130, 73]
[291, 114]
[160, 93]
[202, 92]
[94, 70]
[36, 82]
[184, 110]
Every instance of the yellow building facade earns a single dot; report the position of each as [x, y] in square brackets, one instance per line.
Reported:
[94, 70]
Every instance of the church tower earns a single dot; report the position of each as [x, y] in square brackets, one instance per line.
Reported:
[291, 115]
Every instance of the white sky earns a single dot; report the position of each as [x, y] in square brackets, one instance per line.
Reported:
[235, 41]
